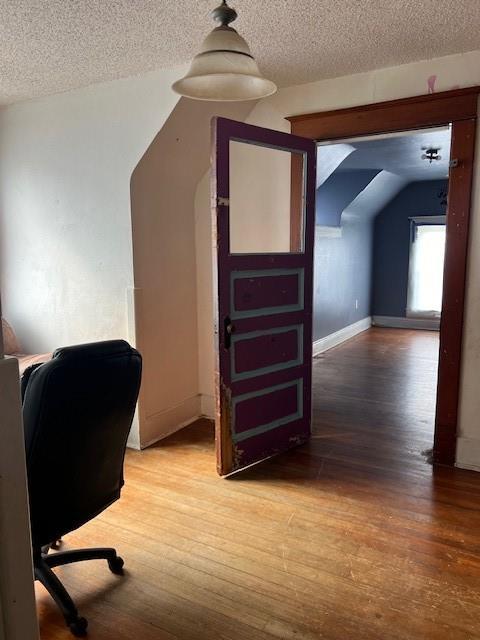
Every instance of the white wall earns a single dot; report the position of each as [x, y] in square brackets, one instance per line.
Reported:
[66, 266]
[65, 229]
[454, 71]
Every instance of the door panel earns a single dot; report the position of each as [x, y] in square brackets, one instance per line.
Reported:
[257, 293]
[263, 315]
[259, 352]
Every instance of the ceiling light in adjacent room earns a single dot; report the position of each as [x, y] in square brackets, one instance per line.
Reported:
[431, 154]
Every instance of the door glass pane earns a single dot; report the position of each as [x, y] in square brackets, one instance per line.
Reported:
[264, 217]
[426, 270]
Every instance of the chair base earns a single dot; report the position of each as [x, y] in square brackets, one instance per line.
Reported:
[44, 562]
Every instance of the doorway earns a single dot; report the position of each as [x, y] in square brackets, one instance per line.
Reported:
[457, 108]
[379, 251]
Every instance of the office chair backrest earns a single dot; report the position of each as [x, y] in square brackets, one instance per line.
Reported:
[78, 409]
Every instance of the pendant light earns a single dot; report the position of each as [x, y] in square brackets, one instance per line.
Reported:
[224, 69]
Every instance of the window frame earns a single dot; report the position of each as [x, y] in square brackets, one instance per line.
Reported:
[415, 222]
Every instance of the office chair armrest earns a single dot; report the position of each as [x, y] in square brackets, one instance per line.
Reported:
[26, 377]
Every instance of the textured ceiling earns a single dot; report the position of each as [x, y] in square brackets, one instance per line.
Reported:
[48, 46]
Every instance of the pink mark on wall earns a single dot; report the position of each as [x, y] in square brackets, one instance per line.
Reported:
[431, 84]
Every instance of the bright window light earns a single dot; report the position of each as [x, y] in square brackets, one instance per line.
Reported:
[427, 252]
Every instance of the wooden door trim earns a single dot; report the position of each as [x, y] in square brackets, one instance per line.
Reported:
[384, 117]
[458, 108]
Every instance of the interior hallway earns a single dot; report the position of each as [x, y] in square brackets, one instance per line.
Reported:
[351, 536]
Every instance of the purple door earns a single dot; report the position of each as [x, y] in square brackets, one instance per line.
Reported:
[263, 256]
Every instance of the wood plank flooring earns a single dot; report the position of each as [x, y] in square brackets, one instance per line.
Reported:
[353, 536]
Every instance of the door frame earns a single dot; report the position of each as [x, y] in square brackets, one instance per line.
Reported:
[458, 108]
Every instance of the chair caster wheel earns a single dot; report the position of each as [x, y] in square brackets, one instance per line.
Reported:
[79, 627]
[116, 565]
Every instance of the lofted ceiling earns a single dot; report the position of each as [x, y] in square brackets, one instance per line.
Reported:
[49, 46]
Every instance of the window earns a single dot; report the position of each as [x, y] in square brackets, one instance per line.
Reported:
[427, 252]
[261, 208]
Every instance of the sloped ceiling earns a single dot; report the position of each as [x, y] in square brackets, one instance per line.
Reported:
[338, 191]
[380, 166]
[49, 46]
[329, 158]
[376, 195]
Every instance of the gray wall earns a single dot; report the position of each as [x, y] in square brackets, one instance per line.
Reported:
[392, 244]
[342, 275]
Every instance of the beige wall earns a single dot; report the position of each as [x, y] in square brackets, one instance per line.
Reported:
[383, 84]
[164, 260]
[262, 186]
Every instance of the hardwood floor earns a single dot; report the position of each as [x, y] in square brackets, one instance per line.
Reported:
[353, 536]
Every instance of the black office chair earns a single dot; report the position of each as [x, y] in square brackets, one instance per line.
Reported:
[77, 409]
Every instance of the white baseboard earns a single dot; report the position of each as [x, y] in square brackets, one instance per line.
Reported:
[468, 454]
[430, 324]
[334, 339]
[161, 425]
[164, 423]
[207, 406]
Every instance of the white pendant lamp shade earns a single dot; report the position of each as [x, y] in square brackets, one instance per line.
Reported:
[224, 69]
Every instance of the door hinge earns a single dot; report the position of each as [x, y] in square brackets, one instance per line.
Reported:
[453, 163]
[223, 202]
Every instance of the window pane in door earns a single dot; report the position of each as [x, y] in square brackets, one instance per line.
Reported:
[264, 218]
[427, 254]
